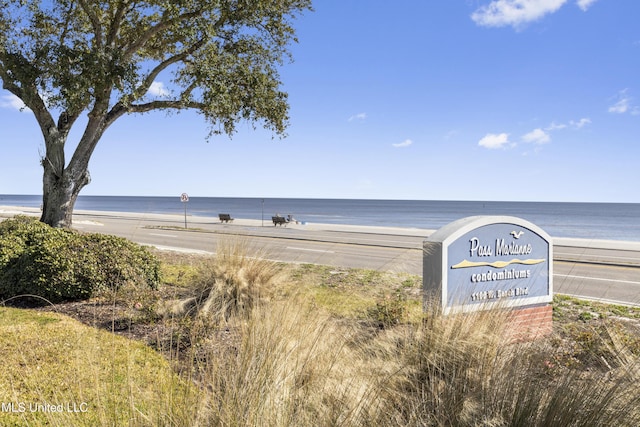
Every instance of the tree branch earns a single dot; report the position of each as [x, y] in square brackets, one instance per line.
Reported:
[121, 109]
[66, 121]
[95, 22]
[16, 78]
[162, 25]
[143, 88]
[7, 82]
[187, 92]
[63, 34]
[164, 105]
[88, 142]
[115, 23]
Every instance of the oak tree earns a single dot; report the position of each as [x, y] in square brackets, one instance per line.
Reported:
[99, 58]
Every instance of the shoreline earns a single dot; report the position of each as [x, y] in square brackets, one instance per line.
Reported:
[92, 217]
[78, 214]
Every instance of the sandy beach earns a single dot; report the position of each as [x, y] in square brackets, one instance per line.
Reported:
[88, 217]
[82, 216]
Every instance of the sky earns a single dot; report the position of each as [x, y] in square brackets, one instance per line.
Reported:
[505, 100]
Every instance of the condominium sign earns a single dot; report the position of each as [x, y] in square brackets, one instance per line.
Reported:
[483, 262]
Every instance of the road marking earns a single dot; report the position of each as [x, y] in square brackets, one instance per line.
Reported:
[184, 250]
[310, 250]
[88, 223]
[598, 256]
[597, 279]
[162, 235]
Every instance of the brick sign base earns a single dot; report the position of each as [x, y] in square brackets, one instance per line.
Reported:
[530, 323]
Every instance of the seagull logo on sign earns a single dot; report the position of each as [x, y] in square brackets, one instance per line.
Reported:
[518, 234]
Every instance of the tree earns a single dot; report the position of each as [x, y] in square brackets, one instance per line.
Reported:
[65, 58]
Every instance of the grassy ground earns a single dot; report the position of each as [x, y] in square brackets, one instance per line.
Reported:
[237, 341]
[57, 371]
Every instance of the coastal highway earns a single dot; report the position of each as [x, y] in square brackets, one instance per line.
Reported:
[594, 269]
[601, 270]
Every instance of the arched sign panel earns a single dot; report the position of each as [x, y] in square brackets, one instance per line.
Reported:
[485, 262]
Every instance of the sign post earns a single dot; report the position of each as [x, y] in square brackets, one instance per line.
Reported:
[184, 198]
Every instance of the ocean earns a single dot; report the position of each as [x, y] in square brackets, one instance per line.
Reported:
[609, 221]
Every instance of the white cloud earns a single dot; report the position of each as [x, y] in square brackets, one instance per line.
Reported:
[493, 141]
[500, 13]
[555, 126]
[623, 104]
[12, 101]
[537, 136]
[405, 143]
[158, 89]
[359, 116]
[580, 123]
[620, 107]
[585, 4]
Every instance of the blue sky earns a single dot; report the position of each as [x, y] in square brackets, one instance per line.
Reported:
[522, 100]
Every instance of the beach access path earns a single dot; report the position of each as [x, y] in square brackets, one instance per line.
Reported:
[596, 269]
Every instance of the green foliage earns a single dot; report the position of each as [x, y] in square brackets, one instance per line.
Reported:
[585, 316]
[101, 59]
[566, 307]
[389, 310]
[107, 260]
[59, 264]
[223, 56]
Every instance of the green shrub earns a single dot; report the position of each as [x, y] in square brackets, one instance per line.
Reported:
[109, 262]
[389, 310]
[59, 265]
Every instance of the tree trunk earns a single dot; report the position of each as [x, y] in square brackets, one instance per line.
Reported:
[61, 185]
[60, 194]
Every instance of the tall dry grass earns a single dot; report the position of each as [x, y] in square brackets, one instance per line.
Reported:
[230, 284]
[289, 367]
[292, 364]
[465, 370]
[260, 356]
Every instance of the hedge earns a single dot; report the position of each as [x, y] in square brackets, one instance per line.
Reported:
[64, 265]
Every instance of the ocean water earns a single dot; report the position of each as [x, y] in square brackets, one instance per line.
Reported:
[611, 221]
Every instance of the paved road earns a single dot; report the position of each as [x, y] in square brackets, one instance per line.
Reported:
[594, 269]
